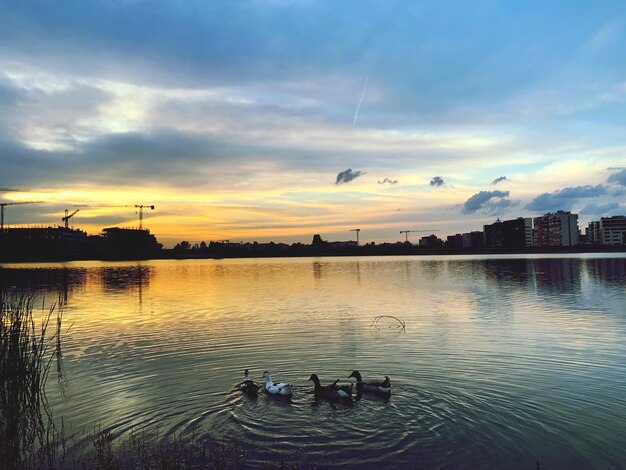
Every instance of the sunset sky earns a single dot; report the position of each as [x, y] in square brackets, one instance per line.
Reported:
[278, 119]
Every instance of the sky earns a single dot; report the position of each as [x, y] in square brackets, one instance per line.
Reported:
[279, 119]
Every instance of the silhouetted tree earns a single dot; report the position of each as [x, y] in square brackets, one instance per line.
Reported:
[184, 245]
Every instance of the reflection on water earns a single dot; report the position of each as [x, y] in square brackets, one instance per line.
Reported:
[47, 280]
[606, 270]
[125, 277]
[504, 361]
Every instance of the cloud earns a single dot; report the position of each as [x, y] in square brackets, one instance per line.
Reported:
[483, 201]
[619, 178]
[564, 198]
[604, 209]
[606, 35]
[348, 175]
[387, 180]
[499, 180]
[13, 190]
[135, 158]
[437, 181]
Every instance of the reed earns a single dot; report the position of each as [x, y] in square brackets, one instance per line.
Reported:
[141, 450]
[28, 437]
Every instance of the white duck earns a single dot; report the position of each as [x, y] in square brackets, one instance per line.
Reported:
[276, 389]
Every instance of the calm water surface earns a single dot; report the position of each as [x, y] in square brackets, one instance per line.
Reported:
[505, 361]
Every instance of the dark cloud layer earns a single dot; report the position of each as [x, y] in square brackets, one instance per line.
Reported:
[178, 159]
[437, 181]
[115, 158]
[484, 200]
[499, 180]
[564, 198]
[618, 178]
[604, 209]
[348, 175]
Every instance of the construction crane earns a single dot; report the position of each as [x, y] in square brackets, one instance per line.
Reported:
[406, 232]
[357, 230]
[4, 204]
[140, 207]
[67, 217]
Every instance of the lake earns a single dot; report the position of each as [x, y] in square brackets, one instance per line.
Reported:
[505, 361]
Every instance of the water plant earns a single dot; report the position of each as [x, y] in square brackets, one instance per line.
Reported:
[28, 436]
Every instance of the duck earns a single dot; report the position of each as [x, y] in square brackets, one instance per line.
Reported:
[332, 391]
[272, 388]
[382, 388]
[248, 385]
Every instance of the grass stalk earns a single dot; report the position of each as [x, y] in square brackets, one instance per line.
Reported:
[27, 434]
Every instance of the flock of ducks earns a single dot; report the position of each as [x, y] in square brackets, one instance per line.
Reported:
[333, 391]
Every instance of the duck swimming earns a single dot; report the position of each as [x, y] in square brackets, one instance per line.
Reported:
[332, 391]
[278, 388]
[248, 385]
[381, 388]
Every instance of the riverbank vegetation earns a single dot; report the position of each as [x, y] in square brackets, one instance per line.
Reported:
[29, 343]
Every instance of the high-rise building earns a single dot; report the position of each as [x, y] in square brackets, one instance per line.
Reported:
[509, 234]
[607, 231]
[592, 233]
[556, 229]
[528, 231]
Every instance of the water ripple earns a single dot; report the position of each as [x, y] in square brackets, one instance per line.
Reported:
[505, 361]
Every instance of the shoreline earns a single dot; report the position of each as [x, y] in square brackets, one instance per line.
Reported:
[243, 252]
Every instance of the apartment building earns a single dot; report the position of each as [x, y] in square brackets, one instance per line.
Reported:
[556, 229]
[607, 231]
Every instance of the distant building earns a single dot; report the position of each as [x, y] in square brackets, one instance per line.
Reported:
[455, 241]
[509, 235]
[557, 229]
[431, 241]
[592, 233]
[41, 243]
[529, 233]
[607, 231]
[473, 240]
[466, 241]
[126, 243]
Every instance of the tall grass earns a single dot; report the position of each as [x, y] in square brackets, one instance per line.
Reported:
[28, 437]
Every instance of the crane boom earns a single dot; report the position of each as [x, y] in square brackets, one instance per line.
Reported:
[4, 204]
[406, 232]
[140, 207]
[67, 217]
[357, 230]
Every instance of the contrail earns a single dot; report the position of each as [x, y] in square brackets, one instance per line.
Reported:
[356, 114]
